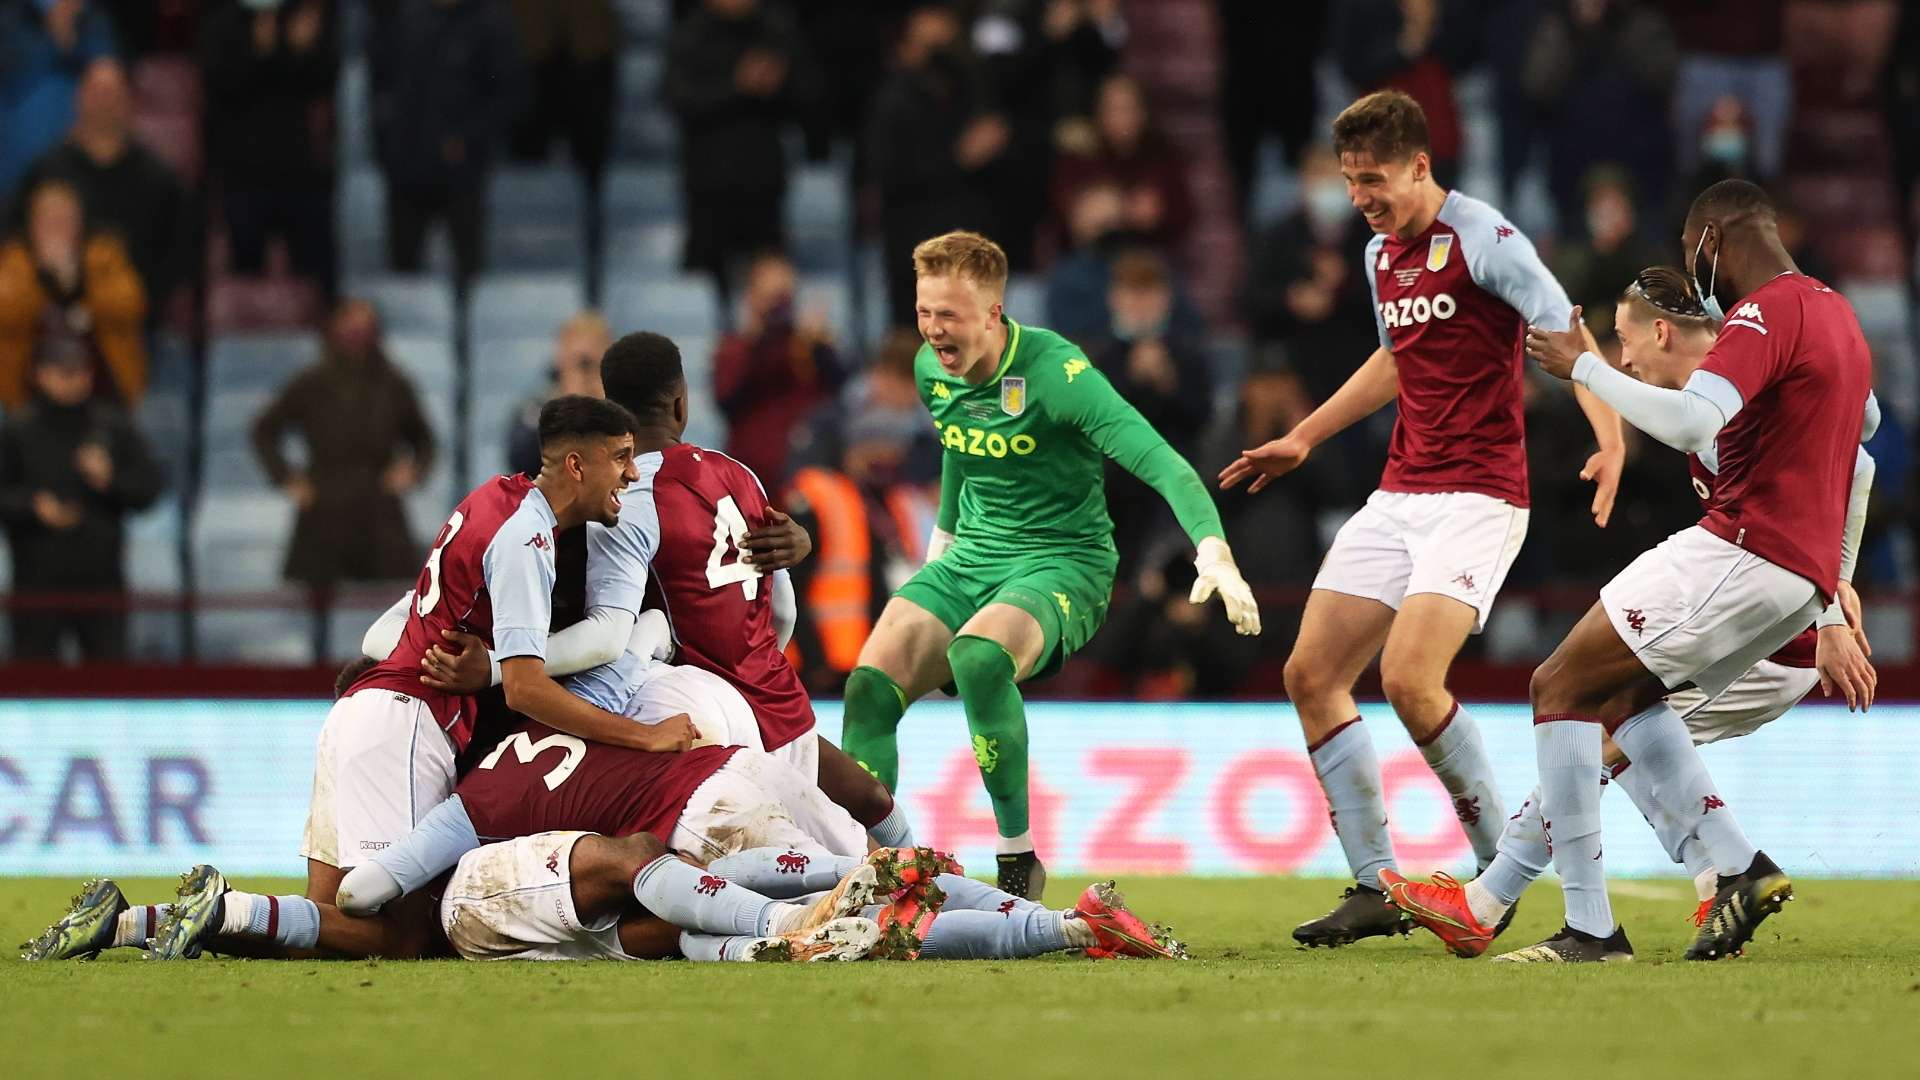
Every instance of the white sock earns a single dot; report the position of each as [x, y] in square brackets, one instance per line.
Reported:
[1568, 750]
[1014, 845]
[783, 918]
[712, 948]
[1349, 773]
[1079, 934]
[286, 920]
[1487, 908]
[1657, 741]
[1706, 884]
[136, 924]
[1458, 756]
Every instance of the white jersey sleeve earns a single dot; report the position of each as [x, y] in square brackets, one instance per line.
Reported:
[1375, 248]
[618, 557]
[519, 571]
[1503, 261]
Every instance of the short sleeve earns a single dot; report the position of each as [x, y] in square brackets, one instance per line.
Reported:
[1745, 354]
[618, 557]
[519, 572]
[1374, 247]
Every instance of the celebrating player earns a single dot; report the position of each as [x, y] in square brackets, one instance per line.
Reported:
[1020, 566]
[1780, 400]
[1417, 569]
[1665, 333]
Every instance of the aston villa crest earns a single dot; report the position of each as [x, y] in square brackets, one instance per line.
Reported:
[1437, 251]
[1013, 396]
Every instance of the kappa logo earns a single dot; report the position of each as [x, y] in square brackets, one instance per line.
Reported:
[710, 885]
[540, 542]
[1465, 581]
[1749, 310]
[1637, 621]
[940, 391]
[1006, 907]
[1073, 368]
[1383, 260]
[1710, 803]
[1467, 809]
[1066, 605]
[793, 862]
[553, 862]
[1501, 232]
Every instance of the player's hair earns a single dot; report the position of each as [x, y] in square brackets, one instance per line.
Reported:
[1666, 292]
[643, 373]
[965, 255]
[351, 674]
[1139, 269]
[576, 416]
[1729, 201]
[587, 321]
[1387, 124]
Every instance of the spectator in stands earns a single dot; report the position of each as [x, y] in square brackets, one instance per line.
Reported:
[1413, 46]
[869, 524]
[1737, 49]
[572, 53]
[62, 281]
[1595, 71]
[1160, 370]
[1154, 199]
[1076, 286]
[447, 84]
[1900, 96]
[1162, 647]
[1268, 56]
[933, 134]
[270, 74]
[736, 83]
[72, 467]
[1610, 247]
[44, 45]
[1271, 401]
[367, 445]
[888, 389]
[577, 349]
[125, 187]
[773, 370]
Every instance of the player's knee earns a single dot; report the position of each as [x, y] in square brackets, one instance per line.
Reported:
[1412, 693]
[1307, 681]
[871, 695]
[1547, 689]
[978, 661]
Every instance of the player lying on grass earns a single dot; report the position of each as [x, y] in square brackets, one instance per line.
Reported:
[696, 528]
[1665, 333]
[1780, 399]
[1020, 566]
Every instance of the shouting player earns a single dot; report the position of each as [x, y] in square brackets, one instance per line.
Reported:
[1780, 401]
[1411, 575]
[1020, 565]
[1665, 333]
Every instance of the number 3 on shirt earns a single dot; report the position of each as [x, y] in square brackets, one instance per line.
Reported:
[729, 528]
[431, 598]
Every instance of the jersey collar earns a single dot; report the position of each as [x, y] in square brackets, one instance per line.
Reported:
[1013, 346]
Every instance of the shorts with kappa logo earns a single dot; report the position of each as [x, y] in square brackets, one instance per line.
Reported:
[1697, 610]
[514, 901]
[1452, 543]
[380, 764]
[1066, 594]
[756, 801]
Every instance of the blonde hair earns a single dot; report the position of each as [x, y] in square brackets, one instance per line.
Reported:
[587, 322]
[965, 255]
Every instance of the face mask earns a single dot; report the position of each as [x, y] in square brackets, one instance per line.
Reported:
[1727, 147]
[1327, 205]
[1707, 299]
[1605, 221]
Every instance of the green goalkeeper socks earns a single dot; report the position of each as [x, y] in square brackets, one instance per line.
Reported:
[874, 705]
[983, 671]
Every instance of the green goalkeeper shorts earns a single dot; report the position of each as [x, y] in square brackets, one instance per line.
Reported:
[1067, 596]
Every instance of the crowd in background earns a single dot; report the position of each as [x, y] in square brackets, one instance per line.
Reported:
[1056, 126]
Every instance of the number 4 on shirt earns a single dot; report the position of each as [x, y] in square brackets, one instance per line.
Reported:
[729, 528]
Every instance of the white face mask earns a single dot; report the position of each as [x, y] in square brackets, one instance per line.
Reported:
[1707, 299]
[1326, 204]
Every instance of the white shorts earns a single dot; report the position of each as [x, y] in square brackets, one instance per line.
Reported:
[717, 709]
[1762, 695]
[1455, 543]
[754, 801]
[514, 901]
[381, 763]
[1699, 610]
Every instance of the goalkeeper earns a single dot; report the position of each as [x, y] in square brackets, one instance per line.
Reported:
[1020, 566]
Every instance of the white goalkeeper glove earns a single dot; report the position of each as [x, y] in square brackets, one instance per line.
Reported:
[1215, 572]
[938, 542]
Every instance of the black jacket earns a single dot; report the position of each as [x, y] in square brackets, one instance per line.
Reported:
[731, 141]
[37, 450]
[263, 111]
[442, 72]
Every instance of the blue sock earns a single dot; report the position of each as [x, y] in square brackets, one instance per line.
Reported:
[1568, 750]
[966, 894]
[713, 948]
[893, 830]
[1662, 752]
[784, 873]
[1458, 756]
[989, 935]
[1523, 854]
[696, 899]
[1349, 773]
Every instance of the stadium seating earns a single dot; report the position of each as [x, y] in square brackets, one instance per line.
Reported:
[682, 306]
[416, 304]
[521, 306]
[534, 219]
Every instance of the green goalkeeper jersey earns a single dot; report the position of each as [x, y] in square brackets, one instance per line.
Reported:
[1021, 472]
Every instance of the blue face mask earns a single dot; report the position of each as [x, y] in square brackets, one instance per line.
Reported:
[1327, 204]
[1707, 299]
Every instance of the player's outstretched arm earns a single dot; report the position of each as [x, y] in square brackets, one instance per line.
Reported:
[1688, 419]
[532, 693]
[1365, 392]
[1604, 466]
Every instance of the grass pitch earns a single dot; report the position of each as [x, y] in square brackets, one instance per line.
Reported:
[1831, 988]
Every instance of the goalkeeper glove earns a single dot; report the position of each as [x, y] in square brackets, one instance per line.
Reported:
[1215, 572]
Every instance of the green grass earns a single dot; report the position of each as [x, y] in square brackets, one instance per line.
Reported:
[1831, 988]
